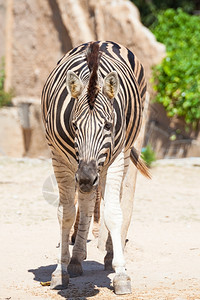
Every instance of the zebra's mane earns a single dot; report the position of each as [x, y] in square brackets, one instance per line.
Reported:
[93, 57]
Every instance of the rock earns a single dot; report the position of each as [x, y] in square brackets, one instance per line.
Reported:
[42, 31]
[11, 139]
[22, 131]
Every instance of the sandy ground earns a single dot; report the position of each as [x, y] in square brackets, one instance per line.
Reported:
[163, 251]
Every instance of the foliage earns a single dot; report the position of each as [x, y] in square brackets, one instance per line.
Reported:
[150, 8]
[5, 98]
[177, 78]
[148, 155]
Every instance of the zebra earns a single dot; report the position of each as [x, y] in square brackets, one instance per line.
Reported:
[92, 106]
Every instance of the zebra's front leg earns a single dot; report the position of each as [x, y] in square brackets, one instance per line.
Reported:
[113, 221]
[66, 216]
[86, 209]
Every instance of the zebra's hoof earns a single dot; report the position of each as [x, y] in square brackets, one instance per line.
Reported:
[122, 284]
[59, 280]
[74, 268]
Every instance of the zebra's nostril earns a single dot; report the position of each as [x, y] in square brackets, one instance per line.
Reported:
[76, 177]
[95, 180]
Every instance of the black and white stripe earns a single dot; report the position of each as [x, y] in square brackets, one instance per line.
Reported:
[58, 106]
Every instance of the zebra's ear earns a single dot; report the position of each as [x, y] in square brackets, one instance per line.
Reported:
[74, 84]
[111, 85]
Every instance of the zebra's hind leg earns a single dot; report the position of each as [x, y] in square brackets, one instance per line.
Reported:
[113, 222]
[95, 229]
[73, 236]
[79, 253]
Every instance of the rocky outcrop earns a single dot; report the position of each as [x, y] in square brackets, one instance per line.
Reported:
[43, 30]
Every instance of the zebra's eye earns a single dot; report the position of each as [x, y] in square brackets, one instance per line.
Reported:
[74, 126]
[108, 126]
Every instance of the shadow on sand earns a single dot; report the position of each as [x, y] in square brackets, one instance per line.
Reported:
[82, 287]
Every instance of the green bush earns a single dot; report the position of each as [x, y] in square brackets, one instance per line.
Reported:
[149, 9]
[5, 98]
[148, 155]
[177, 78]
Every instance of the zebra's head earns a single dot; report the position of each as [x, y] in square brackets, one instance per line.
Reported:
[93, 123]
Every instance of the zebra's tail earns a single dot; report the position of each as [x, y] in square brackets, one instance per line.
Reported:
[139, 163]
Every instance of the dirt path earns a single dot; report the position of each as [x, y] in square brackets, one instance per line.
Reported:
[163, 251]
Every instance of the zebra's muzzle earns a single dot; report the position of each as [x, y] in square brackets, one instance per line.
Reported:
[87, 176]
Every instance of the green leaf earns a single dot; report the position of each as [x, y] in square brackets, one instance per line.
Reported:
[177, 78]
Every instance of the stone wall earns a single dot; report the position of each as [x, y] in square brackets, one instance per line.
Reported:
[11, 139]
